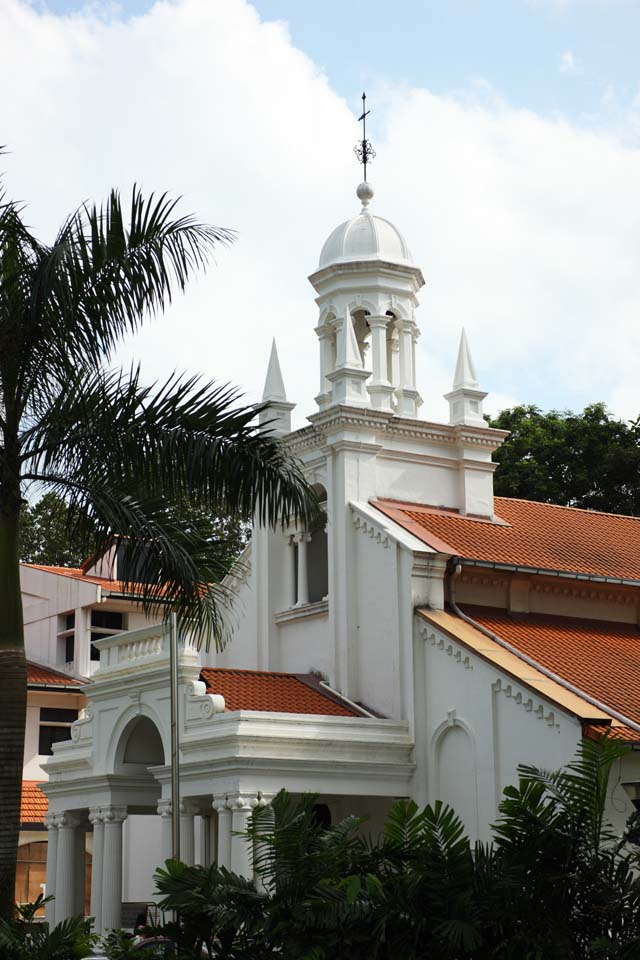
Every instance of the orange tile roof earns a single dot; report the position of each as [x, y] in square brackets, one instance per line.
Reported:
[36, 673]
[599, 657]
[529, 534]
[277, 692]
[77, 573]
[33, 803]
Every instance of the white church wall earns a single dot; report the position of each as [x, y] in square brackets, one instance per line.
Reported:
[474, 725]
[377, 625]
[303, 645]
[417, 482]
[141, 855]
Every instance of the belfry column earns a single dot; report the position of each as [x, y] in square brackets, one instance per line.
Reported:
[380, 390]
[325, 334]
[95, 817]
[50, 823]
[407, 395]
[114, 817]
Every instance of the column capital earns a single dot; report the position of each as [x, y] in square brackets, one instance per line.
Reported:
[50, 821]
[378, 321]
[66, 820]
[114, 814]
[189, 807]
[164, 808]
[301, 536]
[219, 804]
[96, 815]
[243, 802]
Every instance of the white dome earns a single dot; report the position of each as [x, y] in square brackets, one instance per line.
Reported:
[365, 237]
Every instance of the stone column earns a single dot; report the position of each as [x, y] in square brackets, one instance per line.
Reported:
[164, 811]
[302, 539]
[188, 811]
[114, 817]
[407, 396]
[241, 848]
[289, 578]
[406, 354]
[52, 852]
[264, 811]
[380, 390]
[95, 818]
[325, 335]
[65, 866]
[224, 832]
[79, 865]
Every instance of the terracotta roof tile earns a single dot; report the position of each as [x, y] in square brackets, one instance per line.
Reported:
[599, 657]
[77, 573]
[33, 803]
[277, 692]
[36, 673]
[529, 534]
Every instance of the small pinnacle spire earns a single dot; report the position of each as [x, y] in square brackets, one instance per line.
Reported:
[465, 375]
[274, 384]
[353, 358]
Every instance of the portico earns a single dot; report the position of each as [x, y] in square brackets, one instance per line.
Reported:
[112, 778]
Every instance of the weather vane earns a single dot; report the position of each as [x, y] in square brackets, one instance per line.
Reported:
[363, 149]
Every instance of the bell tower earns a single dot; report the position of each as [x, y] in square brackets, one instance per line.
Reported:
[367, 287]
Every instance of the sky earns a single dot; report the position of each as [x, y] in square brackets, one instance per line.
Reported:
[507, 136]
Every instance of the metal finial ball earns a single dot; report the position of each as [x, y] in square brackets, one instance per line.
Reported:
[365, 192]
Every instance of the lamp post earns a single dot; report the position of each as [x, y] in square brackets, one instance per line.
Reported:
[175, 744]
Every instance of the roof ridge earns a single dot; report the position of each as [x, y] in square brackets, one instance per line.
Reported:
[560, 506]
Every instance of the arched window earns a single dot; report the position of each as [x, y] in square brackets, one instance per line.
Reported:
[318, 556]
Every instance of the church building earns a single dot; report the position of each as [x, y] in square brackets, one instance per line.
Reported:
[422, 642]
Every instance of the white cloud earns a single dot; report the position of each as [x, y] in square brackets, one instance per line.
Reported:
[567, 62]
[527, 229]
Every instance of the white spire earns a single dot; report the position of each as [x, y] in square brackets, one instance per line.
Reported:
[274, 384]
[352, 356]
[349, 378]
[465, 399]
[276, 414]
[465, 375]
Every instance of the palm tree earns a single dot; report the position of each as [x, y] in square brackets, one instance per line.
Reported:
[127, 457]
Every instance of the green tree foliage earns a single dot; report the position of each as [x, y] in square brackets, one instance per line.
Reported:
[555, 884]
[26, 939]
[589, 460]
[47, 534]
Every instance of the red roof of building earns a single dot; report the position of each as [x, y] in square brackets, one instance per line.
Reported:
[77, 573]
[600, 658]
[33, 803]
[529, 534]
[36, 673]
[275, 692]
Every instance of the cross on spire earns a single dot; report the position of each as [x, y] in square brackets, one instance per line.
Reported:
[363, 149]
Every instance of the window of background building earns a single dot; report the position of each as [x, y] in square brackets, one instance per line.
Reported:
[55, 725]
[66, 637]
[105, 623]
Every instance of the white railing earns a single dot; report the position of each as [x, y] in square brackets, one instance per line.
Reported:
[147, 644]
